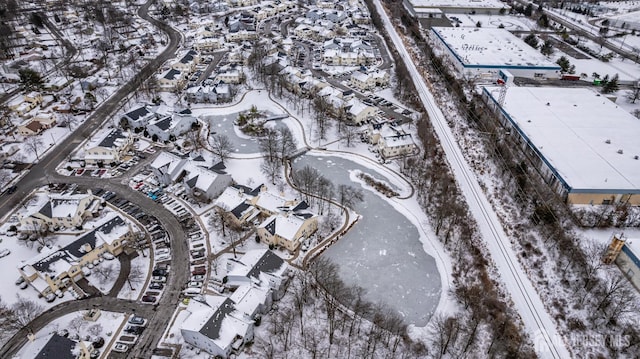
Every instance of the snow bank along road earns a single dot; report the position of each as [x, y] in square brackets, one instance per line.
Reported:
[548, 343]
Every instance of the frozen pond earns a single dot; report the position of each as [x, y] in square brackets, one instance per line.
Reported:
[223, 124]
[382, 252]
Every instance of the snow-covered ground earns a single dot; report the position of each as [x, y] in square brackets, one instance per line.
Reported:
[526, 300]
[106, 326]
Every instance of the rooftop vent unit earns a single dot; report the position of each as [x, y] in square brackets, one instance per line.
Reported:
[620, 152]
[607, 141]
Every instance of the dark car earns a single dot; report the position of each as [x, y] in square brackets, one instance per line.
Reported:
[156, 285]
[134, 329]
[148, 298]
[98, 343]
[12, 189]
[199, 270]
[160, 272]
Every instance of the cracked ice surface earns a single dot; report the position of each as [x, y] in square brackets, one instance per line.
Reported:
[382, 253]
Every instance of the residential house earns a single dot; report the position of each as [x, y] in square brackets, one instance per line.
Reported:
[242, 3]
[236, 200]
[368, 81]
[59, 347]
[37, 124]
[56, 270]
[59, 210]
[288, 229]
[260, 267]
[221, 92]
[199, 180]
[391, 141]
[187, 62]
[358, 112]
[172, 80]
[170, 127]
[214, 325]
[22, 104]
[231, 76]
[108, 147]
[7, 150]
[139, 117]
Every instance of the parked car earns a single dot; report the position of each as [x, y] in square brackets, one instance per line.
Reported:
[12, 189]
[121, 348]
[137, 320]
[156, 285]
[5, 252]
[134, 329]
[197, 278]
[199, 270]
[159, 279]
[20, 280]
[160, 272]
[148, 299]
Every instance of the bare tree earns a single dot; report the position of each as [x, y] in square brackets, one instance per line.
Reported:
[33, 144]
[25, 310]
[271, 169]
[105, 272]
[95, 329]
[136, 276]
[349, 133]
[269, 144]
[287, 144]
[221, 146]
[76, 324]
[349, 196]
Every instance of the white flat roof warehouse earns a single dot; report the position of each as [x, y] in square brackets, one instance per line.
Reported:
[491, 48]
[571, 128]
[491, 4]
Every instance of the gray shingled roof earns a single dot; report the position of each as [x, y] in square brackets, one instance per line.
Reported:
[58, 347]
[164, 124]
[171, 74]
[138, 113]
[211, 329]
[269, 262]
[111, 138]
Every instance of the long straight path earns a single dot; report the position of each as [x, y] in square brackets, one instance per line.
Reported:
[538, 322]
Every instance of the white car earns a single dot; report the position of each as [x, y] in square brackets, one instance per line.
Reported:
[5, 252]
[195, 285]
[120, 348]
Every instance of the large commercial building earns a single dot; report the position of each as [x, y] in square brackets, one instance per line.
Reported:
[482, 53]
[584, 145]
[426, 8]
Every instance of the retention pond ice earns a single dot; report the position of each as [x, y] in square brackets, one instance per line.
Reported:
[382, 252]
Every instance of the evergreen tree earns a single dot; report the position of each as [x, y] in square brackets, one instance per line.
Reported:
[611, 85]
[547, 48]
[531, 40]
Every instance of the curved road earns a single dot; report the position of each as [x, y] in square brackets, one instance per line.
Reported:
[160, 314]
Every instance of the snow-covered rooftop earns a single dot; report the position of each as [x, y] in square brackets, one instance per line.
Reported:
[476, 47]
[444, 4]
[580, 134]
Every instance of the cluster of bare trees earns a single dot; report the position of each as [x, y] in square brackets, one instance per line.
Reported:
[592, 299]
[487, 311]
[222, 222]
[328, 319]
[276, 147]
[16, 316]
[315, 187]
